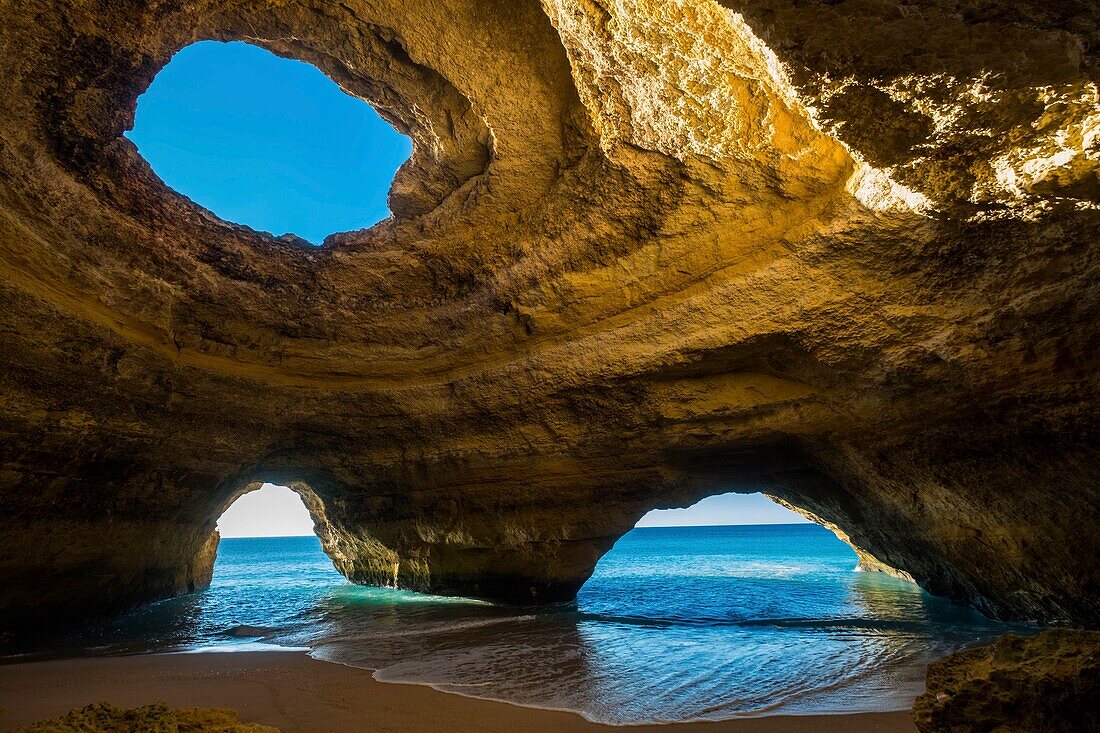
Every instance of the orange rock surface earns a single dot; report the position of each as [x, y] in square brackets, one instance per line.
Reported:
[645, 251]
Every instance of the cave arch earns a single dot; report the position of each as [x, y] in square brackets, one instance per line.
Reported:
[313, 505]
[441, 541]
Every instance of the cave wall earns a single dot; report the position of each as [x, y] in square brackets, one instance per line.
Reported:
[841, 252]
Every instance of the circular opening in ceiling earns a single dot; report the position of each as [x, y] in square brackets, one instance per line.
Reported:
[267, 142]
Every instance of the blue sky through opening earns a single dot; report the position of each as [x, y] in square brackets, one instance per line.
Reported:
[724, 509]
[267, 142]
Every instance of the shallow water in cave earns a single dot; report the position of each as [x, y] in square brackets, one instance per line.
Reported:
[677, 623]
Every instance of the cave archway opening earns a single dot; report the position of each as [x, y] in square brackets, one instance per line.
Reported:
[750, 604]
[268, 142]
[270, 564]
[743, 557]
[724, 544]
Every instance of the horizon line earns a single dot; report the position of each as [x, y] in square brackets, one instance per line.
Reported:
[649, 526]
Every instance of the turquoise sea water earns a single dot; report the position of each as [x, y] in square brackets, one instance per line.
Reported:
[677, 623]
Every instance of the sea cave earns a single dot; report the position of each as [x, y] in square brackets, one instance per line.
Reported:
[610, 257]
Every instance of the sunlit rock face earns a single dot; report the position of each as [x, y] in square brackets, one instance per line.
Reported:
[979, 105]
[844, 253]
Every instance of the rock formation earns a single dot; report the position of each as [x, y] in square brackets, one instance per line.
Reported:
[645, 251]
[103, 718]
[1043, 684]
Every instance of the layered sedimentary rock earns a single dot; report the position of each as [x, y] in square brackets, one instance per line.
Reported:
[843, 253]
[1043, 684]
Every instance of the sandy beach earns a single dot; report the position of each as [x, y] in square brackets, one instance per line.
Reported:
[298, 694]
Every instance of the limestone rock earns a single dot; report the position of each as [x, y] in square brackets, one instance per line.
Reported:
[1042, 684]
[101, 717]
[644, 251]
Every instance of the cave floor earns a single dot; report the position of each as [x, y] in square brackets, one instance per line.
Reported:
[295, 693]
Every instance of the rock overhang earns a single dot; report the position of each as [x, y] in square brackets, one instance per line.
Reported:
[643, 252]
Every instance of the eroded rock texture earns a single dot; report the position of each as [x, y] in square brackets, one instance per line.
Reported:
[101, 717]
[1042, 684]
[644, 251]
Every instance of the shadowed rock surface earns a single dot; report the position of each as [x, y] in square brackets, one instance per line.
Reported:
[645, 251]
[103, 718]
[1040, 684]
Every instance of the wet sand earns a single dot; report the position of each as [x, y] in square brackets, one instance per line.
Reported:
[297, 694]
